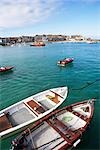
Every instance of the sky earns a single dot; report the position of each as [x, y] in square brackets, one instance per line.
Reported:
[68, 17]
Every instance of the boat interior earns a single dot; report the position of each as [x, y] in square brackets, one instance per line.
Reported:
[30, 109]
[83, 109]
[62, 129]
[40, 138]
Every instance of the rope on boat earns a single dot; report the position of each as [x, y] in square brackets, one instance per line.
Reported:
[47, 143]
[87, 84]
[31, 138]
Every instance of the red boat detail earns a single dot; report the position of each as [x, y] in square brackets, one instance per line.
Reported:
[65, 61]
[38, 44]
[4, 69]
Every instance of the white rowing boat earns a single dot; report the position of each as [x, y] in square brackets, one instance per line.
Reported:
[20, 115]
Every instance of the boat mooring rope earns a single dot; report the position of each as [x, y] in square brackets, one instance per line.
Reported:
[87, 85]
[47, 143]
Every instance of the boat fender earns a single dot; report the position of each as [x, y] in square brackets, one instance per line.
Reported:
[77, 142]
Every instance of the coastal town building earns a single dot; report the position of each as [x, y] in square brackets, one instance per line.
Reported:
[14, 40]
[45, 38]
[77, 37]
[54, 38]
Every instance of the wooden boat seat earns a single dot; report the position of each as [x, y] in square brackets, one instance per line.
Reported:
[64, 130]
[80, 115]
[53, 98]
[59, 131]
[77, 114]
[4, 123]
[36, 107]
[63, 127]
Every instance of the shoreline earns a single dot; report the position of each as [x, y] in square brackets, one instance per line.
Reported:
[8, 41]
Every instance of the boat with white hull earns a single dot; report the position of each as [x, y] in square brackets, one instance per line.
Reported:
[20, 115]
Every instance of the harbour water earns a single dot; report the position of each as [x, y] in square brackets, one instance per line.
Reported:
[36, 70]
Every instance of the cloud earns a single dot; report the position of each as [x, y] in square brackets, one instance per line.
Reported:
[25, 12]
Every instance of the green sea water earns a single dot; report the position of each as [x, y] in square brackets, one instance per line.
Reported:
[36, 70]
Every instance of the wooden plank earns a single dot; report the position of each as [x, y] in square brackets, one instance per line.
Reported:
[4, 123]
[54, 99]
[36, 107]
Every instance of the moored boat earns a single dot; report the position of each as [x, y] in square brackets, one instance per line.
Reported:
[18, 116]
[38, 44]
[65, 61]
[91, 42]
[60, 130]
[7, 68]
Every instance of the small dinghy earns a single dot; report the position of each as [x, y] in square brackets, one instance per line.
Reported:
[65, 61]
[4, 69]
[60, 130]
[38, 44]
[22, 114]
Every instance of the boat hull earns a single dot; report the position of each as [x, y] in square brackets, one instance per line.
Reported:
[36, 113]
[6, 69]
[65, 62]
[37, 45]
[64, 127]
